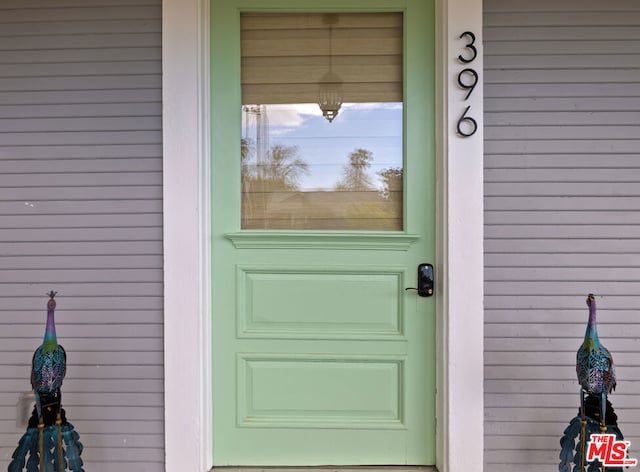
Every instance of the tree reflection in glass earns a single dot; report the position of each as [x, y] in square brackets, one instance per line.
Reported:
[301, 172]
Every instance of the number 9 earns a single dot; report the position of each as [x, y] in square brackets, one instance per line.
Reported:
[473, 83]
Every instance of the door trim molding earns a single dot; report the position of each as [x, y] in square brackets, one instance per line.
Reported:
[316, 240]
[459, 246]
[186, 235]
[187, 272]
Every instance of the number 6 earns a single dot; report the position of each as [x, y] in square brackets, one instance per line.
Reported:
[465, 118]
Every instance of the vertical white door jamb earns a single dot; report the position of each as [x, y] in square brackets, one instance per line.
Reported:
[459, 398]
[186, 194]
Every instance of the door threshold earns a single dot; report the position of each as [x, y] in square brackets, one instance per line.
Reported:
[328, 468]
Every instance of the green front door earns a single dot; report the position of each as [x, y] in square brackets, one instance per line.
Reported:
[320, 355]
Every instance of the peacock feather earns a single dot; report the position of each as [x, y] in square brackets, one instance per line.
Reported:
[570, 450]
[25, 446]
[28, 450]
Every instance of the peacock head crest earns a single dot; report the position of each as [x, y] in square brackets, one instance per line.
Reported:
[591, 300]
[51, 303]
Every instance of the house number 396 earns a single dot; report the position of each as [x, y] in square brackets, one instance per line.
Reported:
[467, 80]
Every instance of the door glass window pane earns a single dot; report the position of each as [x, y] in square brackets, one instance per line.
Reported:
[322, 121]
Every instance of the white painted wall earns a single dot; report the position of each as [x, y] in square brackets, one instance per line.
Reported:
[81, 213]
[562, 194]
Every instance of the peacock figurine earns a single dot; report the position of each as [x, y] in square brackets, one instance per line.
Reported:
[596, 371]
[50, 442]
[49, 364]
[594, 363]
[597, 378]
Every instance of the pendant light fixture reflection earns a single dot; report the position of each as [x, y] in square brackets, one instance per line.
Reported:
[330, 90]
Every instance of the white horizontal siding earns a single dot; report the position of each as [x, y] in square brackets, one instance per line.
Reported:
[562, 216]
[81, 213]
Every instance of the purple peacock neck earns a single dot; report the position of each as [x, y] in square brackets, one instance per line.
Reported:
[592, 328]
[50, 332]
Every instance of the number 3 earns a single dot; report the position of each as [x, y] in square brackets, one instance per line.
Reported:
[469, 46]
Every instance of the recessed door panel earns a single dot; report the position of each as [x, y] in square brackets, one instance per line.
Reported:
[283, 391]
[330, 303]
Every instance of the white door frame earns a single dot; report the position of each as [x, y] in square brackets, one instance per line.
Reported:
[459, 240]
